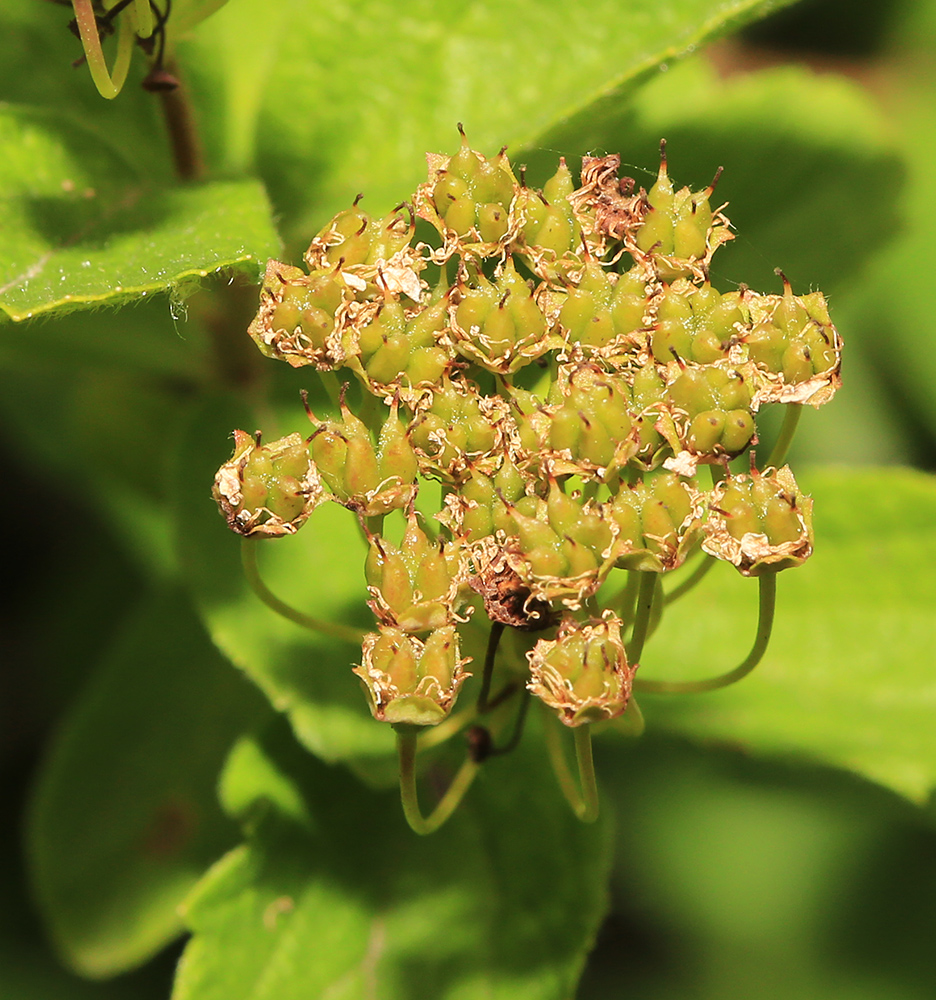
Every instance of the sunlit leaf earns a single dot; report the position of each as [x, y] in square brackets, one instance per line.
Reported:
[502, 902]
[78, 226]
[849, 677]
[349, 97]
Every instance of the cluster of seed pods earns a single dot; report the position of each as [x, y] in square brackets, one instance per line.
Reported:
[560, 362]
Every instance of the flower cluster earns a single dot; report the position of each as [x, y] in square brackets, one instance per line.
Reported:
[560, 361]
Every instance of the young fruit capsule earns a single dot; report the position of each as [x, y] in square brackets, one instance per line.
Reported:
[267, 489]
[408, 681]
[760, 523]
[583, 673]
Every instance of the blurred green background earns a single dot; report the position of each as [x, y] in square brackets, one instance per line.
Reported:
[735, 876]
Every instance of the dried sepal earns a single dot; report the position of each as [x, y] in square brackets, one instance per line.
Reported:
[759, 523]
[268, 489]
[411, 681]
[583, 673]
[604, 204]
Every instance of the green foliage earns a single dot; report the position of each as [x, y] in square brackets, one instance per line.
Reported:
[116, 419]
[334, 895]
[843, 677]
[80, 227]
[125, 818]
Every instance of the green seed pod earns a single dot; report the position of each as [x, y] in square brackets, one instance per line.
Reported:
[296, 320]
[690, 231]
[468, 198]
[414, 587]
[760, 523]
[481, 505]
[738, 432]
[550, 228]
[696, 323]
[461, 216]
[493, 222]
[658, 521]
[396, 460]
[267, 490]
[370, 481]
[456, 429]
[448, 189]
[354, 240]
[712, 409]
[583, 673]
[408, 681]
[560, 548]
[656, 233]
[795, 347]
[629, 302]
[498, 324]
[706, 431]
[346, 238]
[593, 430]
[679, 231]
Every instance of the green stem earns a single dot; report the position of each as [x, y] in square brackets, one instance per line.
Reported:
[634, 719]
[645, 593]
[143, 16]
[788, 429]
[590, 489]
[432, 736]
[766, 607]
[695, 577]
[584, 800]
[656, 609]
[332, 385]
[586, 766]
[108, 86]
[409, 796]
[252, 572]
[623, 602]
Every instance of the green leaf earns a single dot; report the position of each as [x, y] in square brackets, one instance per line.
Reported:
[350, 97]
[503, 902]
[848, 678]
[891, 309]
[320, 571]
[78, 225]
[797, 147]
[124, 819]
